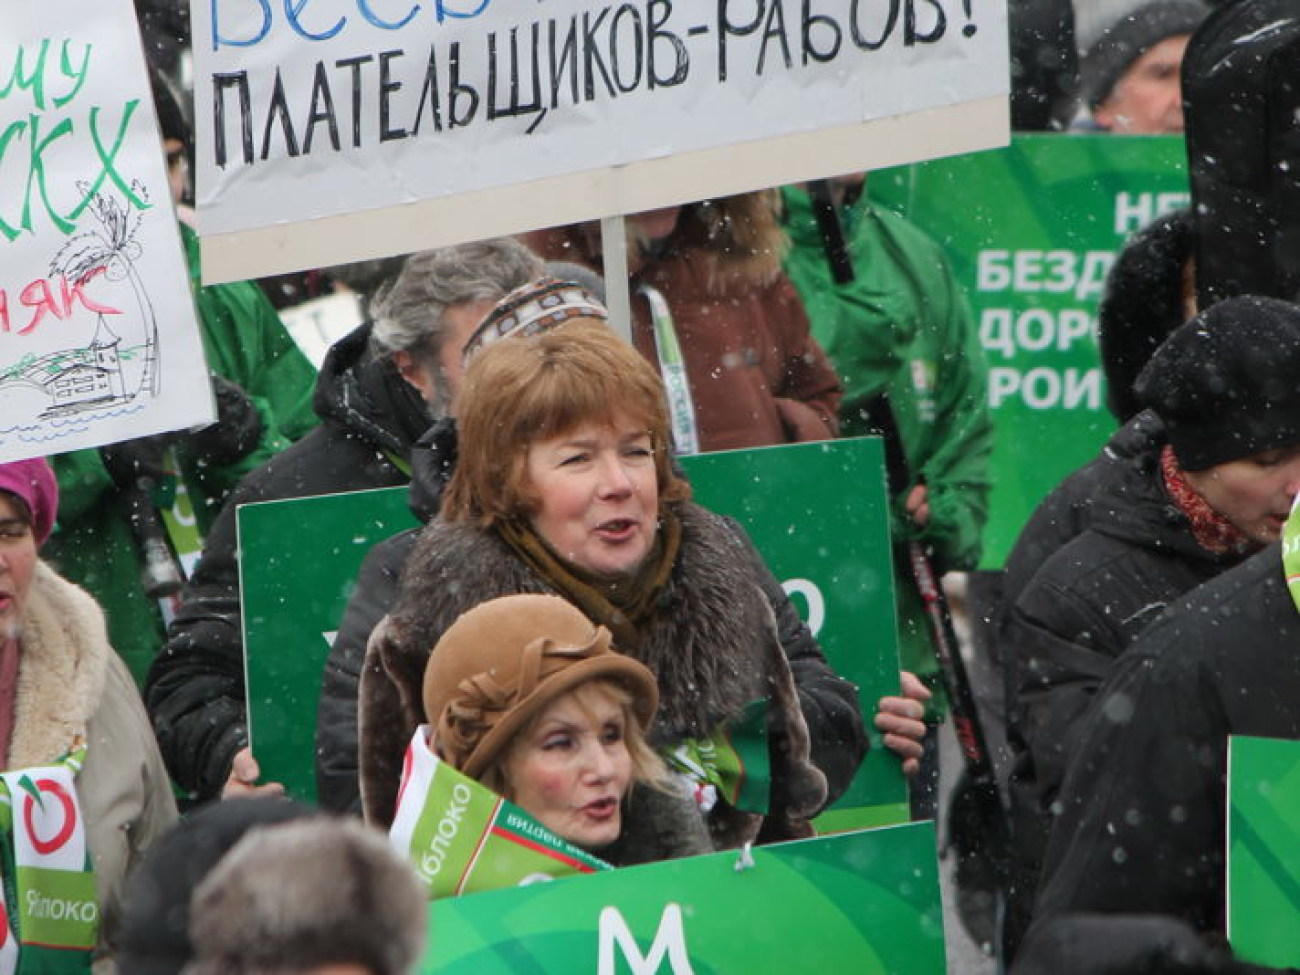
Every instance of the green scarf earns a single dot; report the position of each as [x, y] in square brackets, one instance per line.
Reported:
[51, 914]
[620, 604]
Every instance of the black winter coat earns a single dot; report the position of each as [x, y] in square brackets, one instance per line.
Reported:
[1077, 615]
[1141, 828]
[195, 688]
[1066, 512]
[432, 461]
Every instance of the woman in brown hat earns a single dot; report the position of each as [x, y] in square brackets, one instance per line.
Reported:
[564, 485]
[526, 694]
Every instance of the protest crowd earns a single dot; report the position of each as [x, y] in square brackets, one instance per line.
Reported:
[573, 646]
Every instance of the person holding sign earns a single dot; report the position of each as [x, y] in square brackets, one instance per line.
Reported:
[379, 390]
[564, 484]
[527, 697]
[84, 787]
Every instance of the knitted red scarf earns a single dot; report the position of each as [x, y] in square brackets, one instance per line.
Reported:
[1212, 531]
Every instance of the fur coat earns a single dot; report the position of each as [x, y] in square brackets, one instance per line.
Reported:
[714, 644]
[70, 682]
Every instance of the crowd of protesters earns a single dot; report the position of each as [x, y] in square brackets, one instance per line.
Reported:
[567, 623]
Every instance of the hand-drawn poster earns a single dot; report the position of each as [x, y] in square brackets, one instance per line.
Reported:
[337, 129]
[98, 339]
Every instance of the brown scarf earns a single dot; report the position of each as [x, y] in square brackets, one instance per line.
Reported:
[1212, 531]
[621, 604]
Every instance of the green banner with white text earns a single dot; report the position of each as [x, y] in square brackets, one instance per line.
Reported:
[863, 902]
[1031, 231]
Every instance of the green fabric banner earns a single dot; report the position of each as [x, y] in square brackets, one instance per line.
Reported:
[1264, 850]
[864, 902]
[463, 838]
[817, 512]
[1031, 231]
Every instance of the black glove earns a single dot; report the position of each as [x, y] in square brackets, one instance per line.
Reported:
[131, 461]
[236, 433]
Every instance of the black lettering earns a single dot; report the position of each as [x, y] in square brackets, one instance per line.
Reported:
[322, 110]
[775, 27]
[591, 55]
[220, 82]
[456, 90]
[354, 68]
[279, 109]
[568, 58]
[429, 96]
[726, 28]
[659, 11]
[911, 35]
[812, 20]
[386, 88]
[860, 39]
[638, 48]
[516, 106]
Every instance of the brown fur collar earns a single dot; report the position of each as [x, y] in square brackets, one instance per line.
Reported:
[62, 669]
[701, 643]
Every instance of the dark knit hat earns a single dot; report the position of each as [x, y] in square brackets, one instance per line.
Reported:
[1130, 37]
[1143, 304]
[1227, 383]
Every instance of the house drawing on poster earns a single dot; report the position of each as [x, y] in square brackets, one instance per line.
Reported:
[81, 379]
[103, 373]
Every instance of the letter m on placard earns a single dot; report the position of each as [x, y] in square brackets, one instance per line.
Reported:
[669, 943]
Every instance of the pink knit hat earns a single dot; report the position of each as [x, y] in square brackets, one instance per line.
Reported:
[33, 482]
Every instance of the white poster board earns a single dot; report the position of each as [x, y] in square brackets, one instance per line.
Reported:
[98, 339]
[336, 130]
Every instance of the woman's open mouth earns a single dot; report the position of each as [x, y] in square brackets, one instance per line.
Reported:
[617, 530]
[601, 809]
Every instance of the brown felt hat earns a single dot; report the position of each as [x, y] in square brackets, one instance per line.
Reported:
[505, 660]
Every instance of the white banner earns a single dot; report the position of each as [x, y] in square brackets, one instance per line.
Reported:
[311, 111]
[98, 340]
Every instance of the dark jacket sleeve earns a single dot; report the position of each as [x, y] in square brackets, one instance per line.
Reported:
[1141, 824]
[829, 702]
[195, 689]
[1059, 656]
[337, 789]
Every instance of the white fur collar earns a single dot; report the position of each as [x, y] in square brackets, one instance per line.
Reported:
[62, 666]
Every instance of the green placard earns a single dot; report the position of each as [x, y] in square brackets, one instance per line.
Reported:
[865, 902]
[298, 562]
[1031, 231]
[818, 514]
[1264, 850]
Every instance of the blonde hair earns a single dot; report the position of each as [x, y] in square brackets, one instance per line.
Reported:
[647, 766]
[524, 389]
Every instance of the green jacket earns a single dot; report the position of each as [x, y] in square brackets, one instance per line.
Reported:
[903, 325]
[92, 545]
